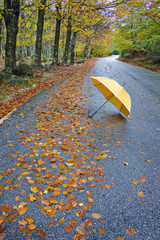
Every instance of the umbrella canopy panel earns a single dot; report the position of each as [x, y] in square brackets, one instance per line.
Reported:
[114, 92]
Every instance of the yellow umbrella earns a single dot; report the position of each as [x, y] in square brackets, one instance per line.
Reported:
[114, 93]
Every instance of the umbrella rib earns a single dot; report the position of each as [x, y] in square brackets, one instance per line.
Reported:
[100, 106]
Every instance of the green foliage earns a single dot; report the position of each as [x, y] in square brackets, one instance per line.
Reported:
[138, 30]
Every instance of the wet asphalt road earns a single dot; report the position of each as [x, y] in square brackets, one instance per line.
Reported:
[140, 141]
[132, 141]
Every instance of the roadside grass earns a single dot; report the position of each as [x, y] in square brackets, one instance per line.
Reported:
[142, 62]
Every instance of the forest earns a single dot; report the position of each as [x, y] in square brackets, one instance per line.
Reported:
[60, 32]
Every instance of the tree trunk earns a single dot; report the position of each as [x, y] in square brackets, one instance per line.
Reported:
[0, 36]
[68, 39]
[73, 43]
[57, 32]
[40, 24]
[86, 52]
[11, 17]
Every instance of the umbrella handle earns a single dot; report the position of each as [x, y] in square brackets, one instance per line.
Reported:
[97, 110]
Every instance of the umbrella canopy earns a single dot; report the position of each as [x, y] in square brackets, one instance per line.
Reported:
[114, 93]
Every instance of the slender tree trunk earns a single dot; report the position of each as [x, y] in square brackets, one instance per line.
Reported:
[11, 17]
[86, 52]
[73, 43]
[0, 36]
[40, 24]
[68, 40]
[57, 32]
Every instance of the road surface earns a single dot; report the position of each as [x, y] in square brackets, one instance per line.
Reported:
[107, 166]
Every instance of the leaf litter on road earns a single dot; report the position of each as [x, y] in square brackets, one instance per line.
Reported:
[56, 165]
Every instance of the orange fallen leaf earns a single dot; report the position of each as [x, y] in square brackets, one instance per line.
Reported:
[29, 220]
[22, 229]
[73, 223]
[40, 162]
[29, 180]
[34, 189]
[148, 160]
[81, 230]
[54, 166]
[96, 215]
[143, 179]
[32, 227]
[67, 228]
[120, 238]
[134, 182]
[42, 234]
[17, 186]
[61, 220]
[140, 194]
[93, 186]
[9, 181]
[101, 173]
[12, 217]
[22, 222]
[10, 145]
[22, 210]
[51, 222]
[131, 231]
[1, 219]
[17, 198]
[7, 208]
[102, 231]
[88, 223]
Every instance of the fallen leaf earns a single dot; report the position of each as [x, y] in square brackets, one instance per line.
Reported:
[96, 215]
[32, 227]
[3, 228]
[81, 230]
[42, 234]
[61, 220]
[7, 208]
[17, 198]
[143, 179]
[88, 223]
[29, 220]
[34, 189]
[102, 231]
[148, 160]
[140, 194]
[120, 238]
[134, 182]
[67, 228]
[73, 223]
[29, 180]
[51, 222]
[80, 213]
[1, 219]
[126, 163]
[22, 210]
[131, 231]
[22, 222]
[12, 217]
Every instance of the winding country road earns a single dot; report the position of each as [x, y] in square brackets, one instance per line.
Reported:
[62, 172]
